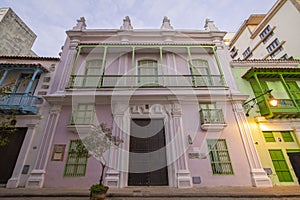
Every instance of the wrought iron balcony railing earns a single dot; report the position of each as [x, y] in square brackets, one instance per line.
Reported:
[212, 116]
[21, 103]
[128, 81]
[212, 119]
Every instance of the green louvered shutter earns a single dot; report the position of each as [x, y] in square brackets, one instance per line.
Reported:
[280, 165]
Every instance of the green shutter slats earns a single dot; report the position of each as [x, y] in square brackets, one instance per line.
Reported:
[280, 166]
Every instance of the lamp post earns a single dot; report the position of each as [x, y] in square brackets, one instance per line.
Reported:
[272, 101]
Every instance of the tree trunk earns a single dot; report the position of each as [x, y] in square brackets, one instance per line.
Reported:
[102, 173]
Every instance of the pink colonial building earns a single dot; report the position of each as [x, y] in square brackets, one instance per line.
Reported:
[168, 94]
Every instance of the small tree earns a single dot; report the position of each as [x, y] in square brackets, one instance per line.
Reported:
[97, 143]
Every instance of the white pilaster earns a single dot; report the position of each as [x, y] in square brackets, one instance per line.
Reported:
[68, 66]
[13, 182]
[37, 175]
[184, 179]
[112, 177]
[258, 175]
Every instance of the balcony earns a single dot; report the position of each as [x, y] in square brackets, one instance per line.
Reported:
[19, 103]
[286, 108]
[212, 119]
[135, 81]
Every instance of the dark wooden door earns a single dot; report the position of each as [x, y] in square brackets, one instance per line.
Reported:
[10, 152]
[295, 161]
[147, 159]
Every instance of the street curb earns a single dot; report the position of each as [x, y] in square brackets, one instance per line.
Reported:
[133, 195]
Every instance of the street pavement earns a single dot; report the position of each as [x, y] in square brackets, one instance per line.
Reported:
[157, 193]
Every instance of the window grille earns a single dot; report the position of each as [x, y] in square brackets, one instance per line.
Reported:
[76, 160]
[219, 157]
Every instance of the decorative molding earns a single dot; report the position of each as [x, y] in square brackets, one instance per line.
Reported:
[259, 178]
[81, 25]
[166, 25]
[112, 178]
[148, 109]
[176, 109]
[213, 127]
[210, 26]
[55, 109]
[119, 109]
[126, 24]
[36, 179]
[80, 129]
[184, 179]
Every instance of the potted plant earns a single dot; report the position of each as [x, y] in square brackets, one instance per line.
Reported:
[99, 140]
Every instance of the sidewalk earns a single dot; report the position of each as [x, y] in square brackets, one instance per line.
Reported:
[139, 192]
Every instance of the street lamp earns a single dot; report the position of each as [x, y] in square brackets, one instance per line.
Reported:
[272, 101]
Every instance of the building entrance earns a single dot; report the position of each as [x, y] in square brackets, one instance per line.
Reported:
[10, 152]
[147, 159]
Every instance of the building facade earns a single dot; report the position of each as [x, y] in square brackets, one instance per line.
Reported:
[264, 48]
[166, 93]
[272, 35]
[275, 129]
[16, 38]
[28, 79]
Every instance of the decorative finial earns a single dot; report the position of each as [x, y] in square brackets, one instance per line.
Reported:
[166, 25]
[210, 26]
[126, 24]
[81, 25]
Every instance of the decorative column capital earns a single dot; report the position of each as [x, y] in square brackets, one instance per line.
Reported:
[55, 109]
[32, 126]
[73, 44]
[119, 109]
[176, 109]
[238, 107]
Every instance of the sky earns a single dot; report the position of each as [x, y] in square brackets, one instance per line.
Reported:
[50, 19]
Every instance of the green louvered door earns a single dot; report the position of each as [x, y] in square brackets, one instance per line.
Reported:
[280, 165]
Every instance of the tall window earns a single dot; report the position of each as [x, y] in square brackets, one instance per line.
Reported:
[278, 89]
[148, 72]
[23, 81]
[93, 73]
[200, 71]
[273, 45]
[266, 34]
[83, 115]
[219, 156]
[247, 52]
[76, 160]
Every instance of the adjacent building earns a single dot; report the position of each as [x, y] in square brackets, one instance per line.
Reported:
[275, 129]
[16, 38]
[166, 93]
[28, 79]
[269, 36]
[265, 48]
